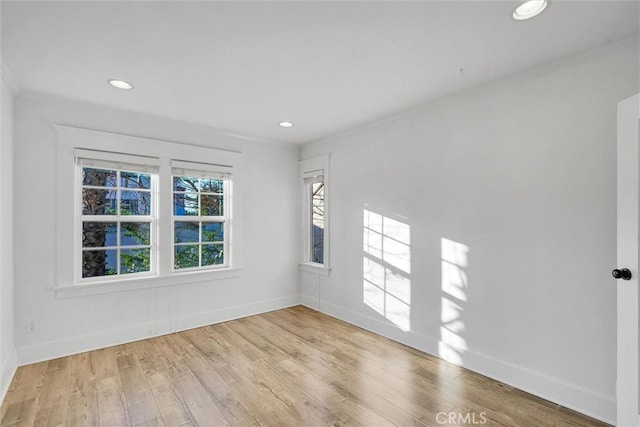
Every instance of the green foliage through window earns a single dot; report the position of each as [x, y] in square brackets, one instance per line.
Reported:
[115, 238]
[199, 220]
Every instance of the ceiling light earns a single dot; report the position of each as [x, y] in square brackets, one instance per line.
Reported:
[286, 124]
[121, 84]
[529, 9]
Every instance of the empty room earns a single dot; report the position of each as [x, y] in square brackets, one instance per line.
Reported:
[319, 213]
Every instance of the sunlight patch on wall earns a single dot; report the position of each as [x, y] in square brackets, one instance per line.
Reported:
[386, 268]
[455, 259]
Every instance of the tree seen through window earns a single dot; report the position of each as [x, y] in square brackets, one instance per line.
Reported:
[116, 223]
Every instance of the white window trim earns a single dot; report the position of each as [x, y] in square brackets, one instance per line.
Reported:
[152, 218]
[133, 284]
[306, 168]
[66, 213]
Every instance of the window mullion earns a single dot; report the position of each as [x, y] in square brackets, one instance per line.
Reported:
[165, 221]
[118, 225]
[200, 241]
[118, 228]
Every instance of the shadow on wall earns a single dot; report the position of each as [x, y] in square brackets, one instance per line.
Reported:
[386, 268]
[455, 259]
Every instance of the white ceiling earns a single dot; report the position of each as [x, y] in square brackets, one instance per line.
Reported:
[242, 67]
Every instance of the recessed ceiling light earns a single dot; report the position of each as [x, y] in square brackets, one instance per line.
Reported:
[286, 124]
[529, 9]
[121, 84]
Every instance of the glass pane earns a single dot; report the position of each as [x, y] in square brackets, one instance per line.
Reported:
[186, 256]
[135, 260]
[317, 246]
[208, 185]
[212, 232]
[99, 234]
[135, 180]
[99, 263]
[98, 202]
[212, 254]
[183, 183]
[99, 177]
[185, 232]
[135, 233]
[211, 205]
[185, 204]
[317, 222]
[135, 203]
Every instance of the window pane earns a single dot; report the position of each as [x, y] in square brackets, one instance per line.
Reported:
[185, 204]
[99, 263]
[317, 249]
[135, 233]
[119, 193]
[186, 256]
[317, 222]
[211, 205]
[183, 183]
[212, 254]
[185, 232]
[135, 260]
[212, 232]
[135, 203]
[99, 234]
[135, 180]
[208, 185]
[98, 202]
[99, 177]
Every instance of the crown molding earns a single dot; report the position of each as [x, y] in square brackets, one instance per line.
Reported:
[8, 78]
[632, 41]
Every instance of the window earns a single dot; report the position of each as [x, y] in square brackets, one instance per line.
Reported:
[315, 187]
[200, 215]
[121, 225]
[117, 215]
[314, 176]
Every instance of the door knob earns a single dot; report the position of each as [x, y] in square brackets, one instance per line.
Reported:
[623, 273]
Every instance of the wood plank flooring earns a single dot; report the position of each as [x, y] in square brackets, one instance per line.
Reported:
[291, 367]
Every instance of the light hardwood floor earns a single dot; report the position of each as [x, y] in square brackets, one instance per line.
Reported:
[291, 367]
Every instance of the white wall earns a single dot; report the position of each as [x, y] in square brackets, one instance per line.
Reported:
[7, 345]
[269, 200]
[523, 175]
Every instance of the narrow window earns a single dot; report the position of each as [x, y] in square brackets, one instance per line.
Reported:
[314, 175]
[316, 221]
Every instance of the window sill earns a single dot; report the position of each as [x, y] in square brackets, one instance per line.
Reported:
[315, 269]
[71, 291]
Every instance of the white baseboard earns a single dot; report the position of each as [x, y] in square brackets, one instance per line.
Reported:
[7, 371]
[588, 402]
[74, 345]
[309, 301]
[569, 395]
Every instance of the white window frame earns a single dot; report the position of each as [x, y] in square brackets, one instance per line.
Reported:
[120, 163]
[68, 221]
[312, 170]
[200, 170]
